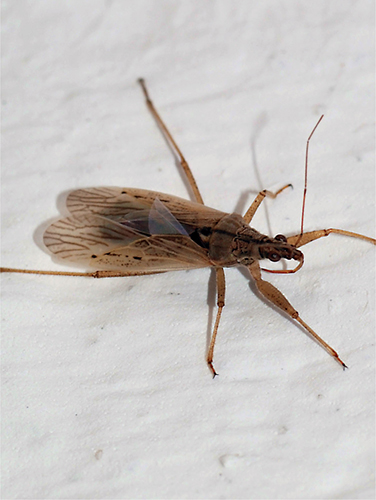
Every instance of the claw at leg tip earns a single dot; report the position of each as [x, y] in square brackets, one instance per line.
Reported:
[211, 368]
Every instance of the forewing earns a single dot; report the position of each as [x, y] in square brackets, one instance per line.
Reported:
[77, 238]
[96, 241]
[122, 204]
[110, 202]
[155, 253]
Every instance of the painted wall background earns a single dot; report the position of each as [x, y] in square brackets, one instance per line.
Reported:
[105, 390]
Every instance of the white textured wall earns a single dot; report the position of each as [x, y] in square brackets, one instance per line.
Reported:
[105, 389]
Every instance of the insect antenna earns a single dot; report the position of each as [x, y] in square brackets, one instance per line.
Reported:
[288, 271]
[306, 180]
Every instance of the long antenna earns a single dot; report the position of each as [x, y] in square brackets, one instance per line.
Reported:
[306, 179]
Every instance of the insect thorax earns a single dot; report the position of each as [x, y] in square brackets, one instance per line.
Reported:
[226, 245]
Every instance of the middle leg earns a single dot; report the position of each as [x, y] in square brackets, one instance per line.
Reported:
[183, 162]
[221, 290]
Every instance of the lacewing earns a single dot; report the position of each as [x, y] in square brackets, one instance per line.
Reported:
[129, 232]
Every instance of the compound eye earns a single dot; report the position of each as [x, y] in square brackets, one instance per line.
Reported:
[274, 256]
[281, 237]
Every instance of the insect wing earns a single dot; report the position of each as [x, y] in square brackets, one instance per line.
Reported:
[111, 202]
[95, 241]
[125, 229]
[77, 238]
[122, 204]
[161, 220]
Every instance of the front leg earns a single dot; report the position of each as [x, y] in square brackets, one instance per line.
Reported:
[272, 294]
[248, 216]
[298, 240]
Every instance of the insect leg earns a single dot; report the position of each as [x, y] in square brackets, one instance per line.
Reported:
[95, 274]
[221, 289]
[168, 136]
[248, 216]
[299, 240]
[272, 294]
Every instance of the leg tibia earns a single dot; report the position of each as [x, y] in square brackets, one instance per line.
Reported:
[272, 294]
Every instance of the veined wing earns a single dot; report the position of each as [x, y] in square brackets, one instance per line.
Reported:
[99, 242]
[123, 204]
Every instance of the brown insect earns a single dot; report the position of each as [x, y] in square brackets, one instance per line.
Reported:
[133, 232]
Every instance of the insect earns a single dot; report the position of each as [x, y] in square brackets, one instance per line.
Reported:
[132, 232]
